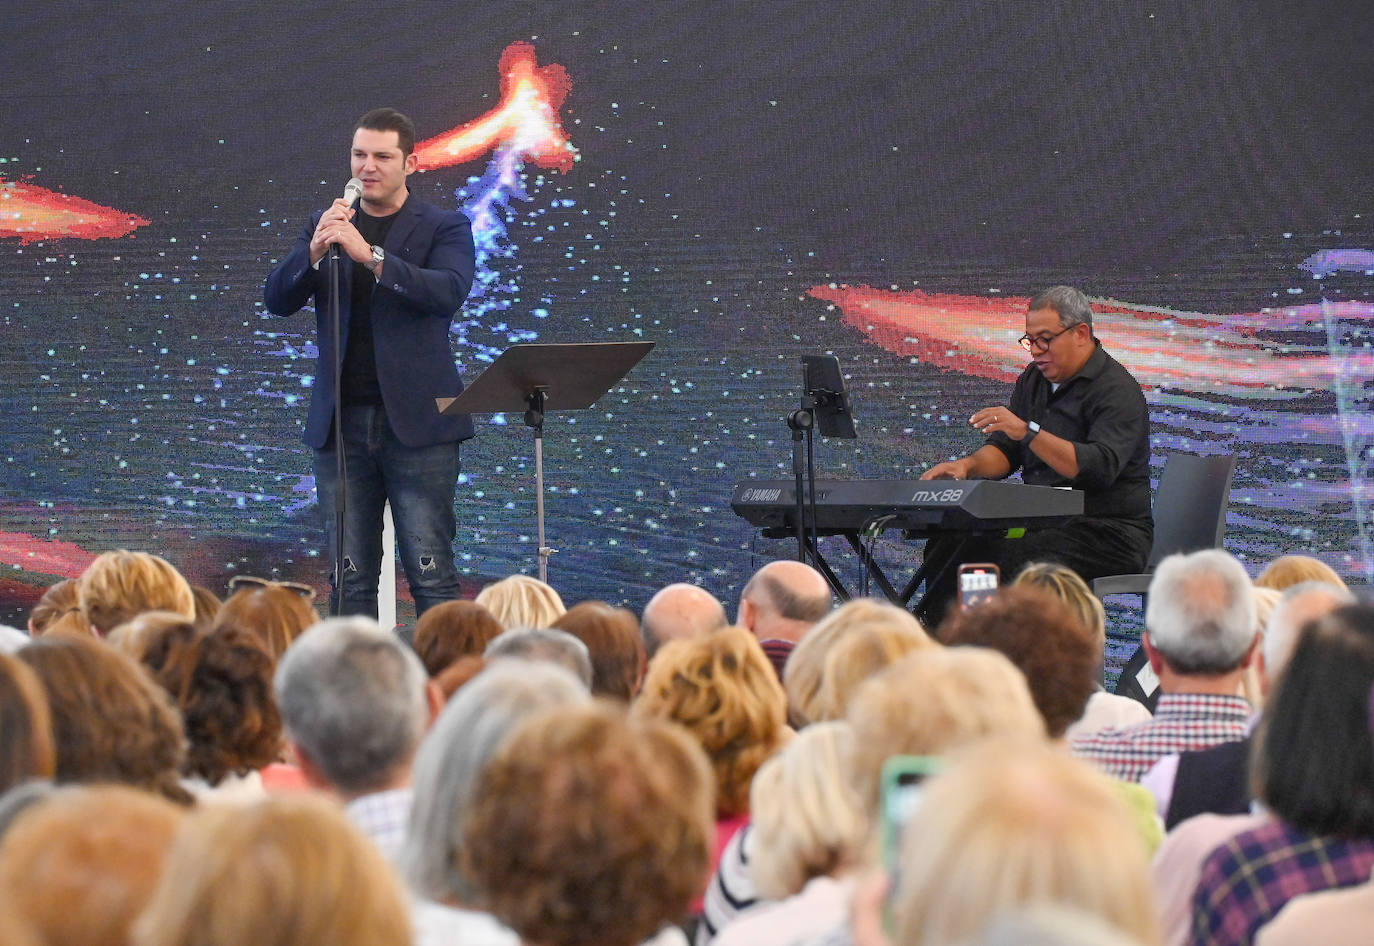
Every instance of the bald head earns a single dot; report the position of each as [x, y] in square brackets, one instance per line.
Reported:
[783, 600]
[677, 611]
[1300, 604]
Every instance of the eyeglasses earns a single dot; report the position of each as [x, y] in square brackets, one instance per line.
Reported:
[250, 581]
[1039, 344]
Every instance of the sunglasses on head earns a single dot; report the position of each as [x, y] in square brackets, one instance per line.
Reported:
[251, 581]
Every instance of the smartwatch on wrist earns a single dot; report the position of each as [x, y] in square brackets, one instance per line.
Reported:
[1032, 428]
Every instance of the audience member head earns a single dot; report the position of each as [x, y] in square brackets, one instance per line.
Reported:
[276, 613]
[722, 688]
[59, 600]
[1311, 766]
[119, 585]
[452, 630]
[1060, 658]
[207, 605]
[612, 639]
[26, 751]
[1069, 587]
[679, 611]
[111, 722]
[934, 701]
[1252, 683]
[1298, 605]
[285, 871]
[519, 601]
[354, 704]
[1288, 570]
[590, 827]
[805, 670]
[1012, 825]
[783, 600]
[81, 865]
[1051, 926]
[131, 638]
[807, 821]
[222, 683]
[545, 644]
[1200, 620]
[463, 739]
[457, 675]
[855, 657]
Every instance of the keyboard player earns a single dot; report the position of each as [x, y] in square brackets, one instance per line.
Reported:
[1076, 418]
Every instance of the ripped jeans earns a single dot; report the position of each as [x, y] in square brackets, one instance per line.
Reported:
[419, 482]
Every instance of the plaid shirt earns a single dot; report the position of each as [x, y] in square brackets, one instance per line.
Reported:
[383, 816]
[1248, 879]
[1182, 722]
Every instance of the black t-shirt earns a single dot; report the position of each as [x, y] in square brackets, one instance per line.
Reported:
[1102, 411]
[360, 386]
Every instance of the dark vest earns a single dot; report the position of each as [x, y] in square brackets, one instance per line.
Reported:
[1215, 780]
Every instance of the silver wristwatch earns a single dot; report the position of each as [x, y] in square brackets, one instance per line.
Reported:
[1032, 428]
[378, 258]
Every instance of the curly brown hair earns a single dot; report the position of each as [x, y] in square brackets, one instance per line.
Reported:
[722, 688]
[111, 722]
[452, 630]
[580, 806]
[221, 680]
[1045, 639]
[612, 639]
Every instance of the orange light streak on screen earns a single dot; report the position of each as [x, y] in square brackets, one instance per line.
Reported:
[526, 121]
[33, 213]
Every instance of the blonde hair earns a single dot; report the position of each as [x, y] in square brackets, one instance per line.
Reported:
[1251, 684]
[936, 700]
[1069, 587]
[856, 656]
[119, 585]
[1013, 825]
[57, 602]
[519, 601]
[722, 688]
[807, 820]
[1288, 570]
[806, 665]
[287, 870]
[81, 865]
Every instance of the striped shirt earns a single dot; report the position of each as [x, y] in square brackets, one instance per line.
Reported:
[1182, 722]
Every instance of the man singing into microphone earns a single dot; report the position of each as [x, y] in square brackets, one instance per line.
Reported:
[405, 268]
[1076, 418]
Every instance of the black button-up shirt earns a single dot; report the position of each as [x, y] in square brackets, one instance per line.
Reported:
[1101, 411]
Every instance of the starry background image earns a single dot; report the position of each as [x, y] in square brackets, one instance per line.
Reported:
[731, 157]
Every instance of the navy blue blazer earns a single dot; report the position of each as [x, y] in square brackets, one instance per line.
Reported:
[430, 261]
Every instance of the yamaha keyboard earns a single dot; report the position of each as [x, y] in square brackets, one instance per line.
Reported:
[920, 507]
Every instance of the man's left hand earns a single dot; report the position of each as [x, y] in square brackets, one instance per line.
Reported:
[347, 236]
[991, 420]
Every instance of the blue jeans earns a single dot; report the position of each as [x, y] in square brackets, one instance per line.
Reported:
[420, 483]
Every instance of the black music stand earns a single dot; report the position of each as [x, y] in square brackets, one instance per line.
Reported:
[539, 378]
[825, 403]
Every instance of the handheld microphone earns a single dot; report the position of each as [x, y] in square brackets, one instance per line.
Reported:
[352, 191]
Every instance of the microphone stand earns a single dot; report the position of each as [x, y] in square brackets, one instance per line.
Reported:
[340, 474]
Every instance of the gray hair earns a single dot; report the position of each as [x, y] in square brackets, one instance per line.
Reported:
[1291, 614]
[1068, 303]
[545, 644]
[464, 738]
[352, 698]
[1201, 615]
